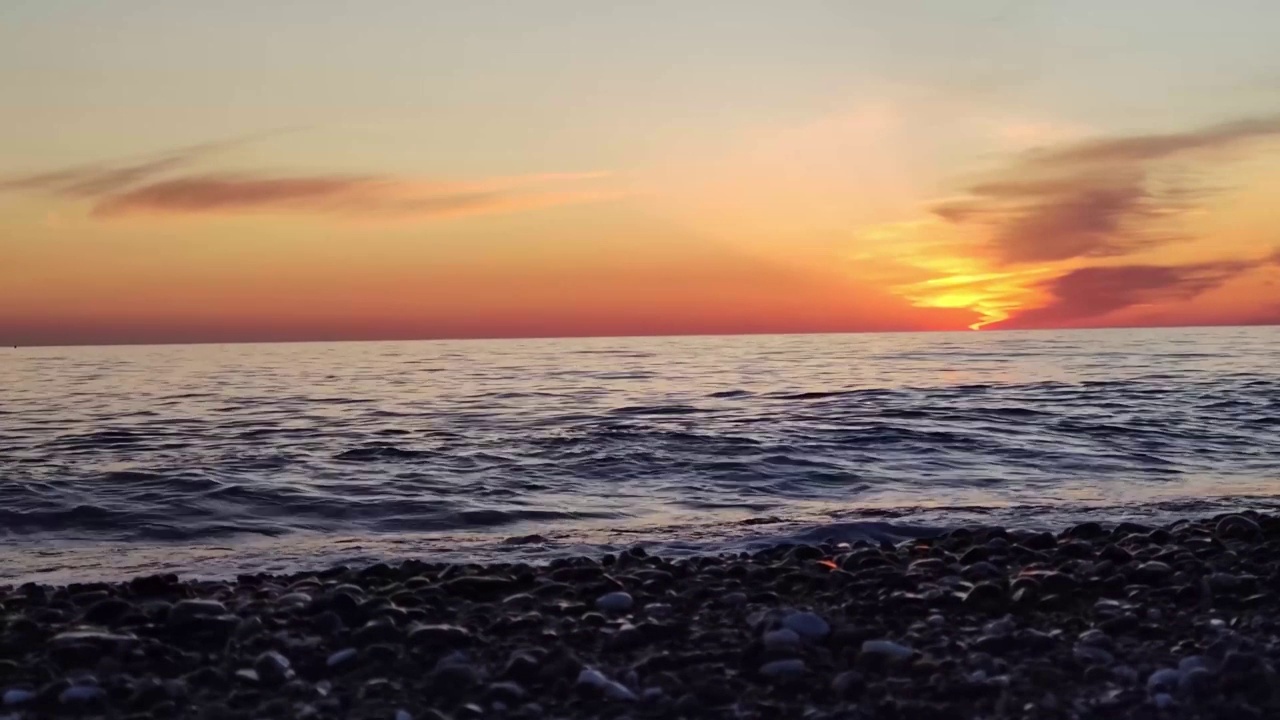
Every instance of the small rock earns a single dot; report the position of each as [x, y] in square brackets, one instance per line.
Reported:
[1096, 638]
[187, 610]
[887, 649]
[82, 694]
[615, 602]
[1163, 700]
[782, 640]
[1003, 626]
[106, 612]
[1191, 662]
[652, 694]
[807, 625]
[522, 666]
[1152, 571]
[1237, 526]
[507, 692]
[18, 696]
[781, 669]
[273, 668]
[611, 689]
[1091, 655]
[1238, 662]
[1197, 682]
[1163, 680]
[439, 635]
[658, 610]
[341, 657]
[1085, 531]
[848, 684]
[985, 595]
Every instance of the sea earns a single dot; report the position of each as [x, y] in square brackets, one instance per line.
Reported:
[216, 460]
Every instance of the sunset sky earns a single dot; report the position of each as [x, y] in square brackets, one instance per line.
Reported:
[269, 170]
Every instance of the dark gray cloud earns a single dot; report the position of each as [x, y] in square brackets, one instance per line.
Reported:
[1101, 198]
[1092, 292]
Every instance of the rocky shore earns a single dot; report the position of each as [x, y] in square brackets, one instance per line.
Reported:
[1093, 622]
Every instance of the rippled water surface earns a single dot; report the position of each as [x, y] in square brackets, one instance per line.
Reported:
[217, 457]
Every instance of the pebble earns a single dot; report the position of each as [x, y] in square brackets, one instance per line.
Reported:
[1191, 662]
[1091, 655]
[1096, 638]
[1163, 680]
[18, 696]
[847, 684]
[807, 625]
[1003, 626]
[1238, 526]
[273, 668]
[341, 657]
[720, 635]
[781, 640]
[439, 635]
[790, 668]
[658, 610]
[615, 602]
[1152, 571]
[610, 688]
[186, 610]
[887, 649]
[1196, 682]
[82, 694]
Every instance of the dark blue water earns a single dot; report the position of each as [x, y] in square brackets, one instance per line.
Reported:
[218, 457]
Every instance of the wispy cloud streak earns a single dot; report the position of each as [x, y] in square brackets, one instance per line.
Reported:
[166, 185]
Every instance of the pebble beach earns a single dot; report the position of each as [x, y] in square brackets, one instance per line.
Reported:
[1094, 621]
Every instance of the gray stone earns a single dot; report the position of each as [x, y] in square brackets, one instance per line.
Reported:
[186, 610]
[341, 657]
[615, 602]
[781, 669]
[18, 696]
[887, 649]
[1163, 680]
[783, 640]
[807, 625]
[1092, 655]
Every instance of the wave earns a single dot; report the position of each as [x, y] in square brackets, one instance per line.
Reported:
[558, 437]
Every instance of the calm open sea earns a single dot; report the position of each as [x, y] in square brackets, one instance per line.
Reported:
[214, 459]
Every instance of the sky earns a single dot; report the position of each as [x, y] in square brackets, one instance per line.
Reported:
[180, 171]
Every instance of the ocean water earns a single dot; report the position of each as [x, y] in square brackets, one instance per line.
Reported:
[216, 459]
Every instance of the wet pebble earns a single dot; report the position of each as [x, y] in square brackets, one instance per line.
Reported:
[886, 649]
[342, 658]
[781, 640]
[609, 688]
[783, 669]
[615, 602]
[807, 625]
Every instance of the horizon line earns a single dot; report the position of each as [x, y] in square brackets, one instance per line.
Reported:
[493, 338]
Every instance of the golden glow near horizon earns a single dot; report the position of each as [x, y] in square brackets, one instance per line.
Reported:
[203, 172]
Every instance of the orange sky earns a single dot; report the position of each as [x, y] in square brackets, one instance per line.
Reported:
[785, 179]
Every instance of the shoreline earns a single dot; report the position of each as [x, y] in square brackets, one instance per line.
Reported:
[1092, 622]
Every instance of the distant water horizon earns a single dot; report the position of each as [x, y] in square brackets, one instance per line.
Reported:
[659, 335]
[216, 458]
